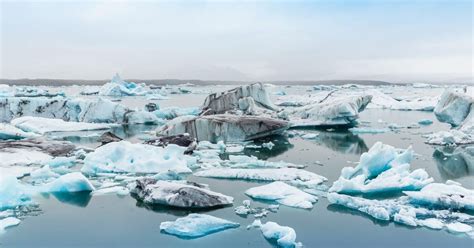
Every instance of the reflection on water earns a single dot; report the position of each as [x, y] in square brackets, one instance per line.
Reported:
[79, 199]
[282, 144]
[454, 162]
[342, 141]
[344, 210]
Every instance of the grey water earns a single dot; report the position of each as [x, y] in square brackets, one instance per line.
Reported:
[79, 220]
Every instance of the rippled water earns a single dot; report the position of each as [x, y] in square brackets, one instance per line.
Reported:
[80, 220]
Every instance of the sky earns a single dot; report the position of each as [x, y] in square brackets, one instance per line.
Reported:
[388, 40]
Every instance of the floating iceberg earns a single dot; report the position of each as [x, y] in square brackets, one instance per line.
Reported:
[283, 194]
[72, 182]
[118, 87]
[425, 122]
[8, 222]
[227, 128]
[453, 107]
[284, 236]
[196, 225]
[42, 125]
[245, 98]
[400, 211]
[173, 112]
[79, 110]
[290, 175]
[10, 132]
[454, 162]
[151, 191]
[381, 169]
[381, 100]
[6, 90]
[453, 137]
[331, 111]
[123, 156]
[448, 196]
[13, 193]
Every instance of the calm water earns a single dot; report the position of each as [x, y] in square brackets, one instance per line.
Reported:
[111, 221]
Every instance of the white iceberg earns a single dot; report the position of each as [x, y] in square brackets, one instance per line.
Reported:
[381, 100]
[453, 107]
[290, 175]
[42, 125]
[123, 156]
[330, 111]
[196, 225]
[284, 194]
[381, 169]
[6, 90]
[8, 132]
[452, 137]
[14, 156]
[8, 222]
[452, 196]
[284, 236]
[151, 191]
[118, 87]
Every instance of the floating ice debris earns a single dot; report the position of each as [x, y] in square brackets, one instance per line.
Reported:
[118, 190]
[290, 175]
[227, 128]
[10, 132]
[452, 137]
[400, 211]
[174, 194]
[258, 212]
[441, 195]
[43, 174]
[42, 125]
[381, 100]
[380, 169]
[196, 225]
[123, 156]
[425, 122]
[363, 130]
[78, 110]
[173, 112]
[72, 182]
[119, 87]
[284, 236]
[8, 222]
[245, 98]
[268, 145]
[283, 194]
[332, 111]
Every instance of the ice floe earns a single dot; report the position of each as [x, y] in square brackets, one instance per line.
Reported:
[8, 222]
[284, 194]
[381, 100]
[382, 168]
[123, 156]
[196, 225]
[151, 191]
[41, 125]
[284, 236]
[452, 196]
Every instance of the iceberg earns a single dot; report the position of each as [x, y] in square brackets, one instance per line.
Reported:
[77, 109]
[151, 191]
[13, 193]
[290, 175]
[452, 196]
[10, 132]
[284, 194]
[425, 122]
[453, 107]
[401, 211]
[72, 182]
[118, 87]
[453, 137]
[454, 162]
[8, 222]
[245, 98]
[381, 169]
[123, 157]
[381, 100]
[173, 112]
[227, 128]
[364, 130]
[6, 90]
[41, 125]
[284, 236]
[329, 111]
[196, 225]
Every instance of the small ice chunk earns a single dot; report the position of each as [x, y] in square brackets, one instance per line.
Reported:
[458, 227]
[425, 122]
[285, 236]
[363, 130]
[268, 145]
[310, 136]
[283, 194]
[8, 222]
[119, 190]
[72, 182]
[196, 225]
[12, 192]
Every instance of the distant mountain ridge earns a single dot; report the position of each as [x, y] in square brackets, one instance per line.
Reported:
[65, 82]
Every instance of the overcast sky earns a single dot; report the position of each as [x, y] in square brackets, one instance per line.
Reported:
[312, 40]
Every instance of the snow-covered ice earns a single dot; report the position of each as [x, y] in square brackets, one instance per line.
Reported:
[283, 194]
[451, 196]
[196, 225]
[41, 125]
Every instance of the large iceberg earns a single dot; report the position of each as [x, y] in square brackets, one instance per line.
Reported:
[452, 196]
[382, 168]
[151, 191]
[79, 110]
[196, 225]
[225, 127]
[330, 111]
[290, 175]
[43, 125]
[284, 236]
[119, 87]
[283, 194]
[123, 156]
[245, 99]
